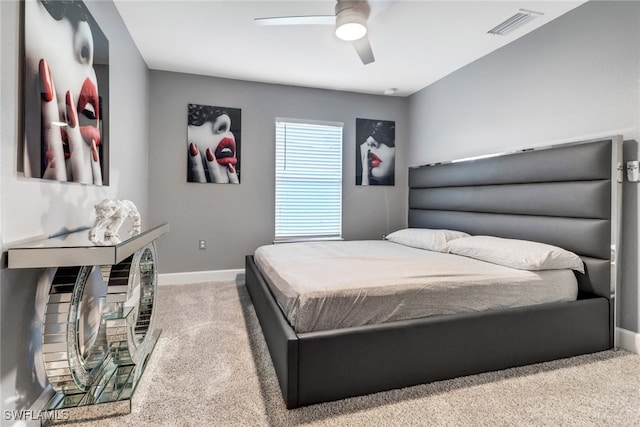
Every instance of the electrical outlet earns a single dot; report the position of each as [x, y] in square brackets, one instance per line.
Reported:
[202, 244]
[633, 173]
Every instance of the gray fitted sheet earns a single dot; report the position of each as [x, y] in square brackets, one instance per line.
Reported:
[333, 285]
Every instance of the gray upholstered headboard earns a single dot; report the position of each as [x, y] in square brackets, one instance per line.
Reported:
[566, 195]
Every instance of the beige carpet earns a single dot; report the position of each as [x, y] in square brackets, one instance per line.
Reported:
[211, 368]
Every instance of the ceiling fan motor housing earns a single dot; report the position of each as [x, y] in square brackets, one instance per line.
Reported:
[353, 14]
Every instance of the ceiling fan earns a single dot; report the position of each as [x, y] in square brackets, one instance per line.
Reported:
[350, 20]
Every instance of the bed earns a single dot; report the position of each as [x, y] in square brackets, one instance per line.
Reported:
[565, 195]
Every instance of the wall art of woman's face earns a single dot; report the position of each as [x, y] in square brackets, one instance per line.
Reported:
[375, 146]
[63, 136]
[213, 139]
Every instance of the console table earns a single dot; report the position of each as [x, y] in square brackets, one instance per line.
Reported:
[98, 325]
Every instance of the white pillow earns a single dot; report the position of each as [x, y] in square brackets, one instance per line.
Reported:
[425, 238]
[520, 254]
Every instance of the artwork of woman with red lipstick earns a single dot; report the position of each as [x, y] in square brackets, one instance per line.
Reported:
[375, 152]
[63, 137]
[213, 144]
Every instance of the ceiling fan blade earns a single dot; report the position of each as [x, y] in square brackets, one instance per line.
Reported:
[297, 20]
[363, 47]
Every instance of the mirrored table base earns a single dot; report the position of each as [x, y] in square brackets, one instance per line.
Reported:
[110, 396]
[97, 336]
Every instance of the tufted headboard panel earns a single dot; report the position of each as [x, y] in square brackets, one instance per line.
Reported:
[565, 195]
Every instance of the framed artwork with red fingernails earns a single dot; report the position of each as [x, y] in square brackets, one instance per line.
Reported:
[213, 144]
[375, 152]
[65, 83]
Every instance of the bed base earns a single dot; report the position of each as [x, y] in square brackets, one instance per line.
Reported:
[567, 195]
[324, 366]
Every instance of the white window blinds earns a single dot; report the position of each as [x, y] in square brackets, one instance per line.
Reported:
[308, 180]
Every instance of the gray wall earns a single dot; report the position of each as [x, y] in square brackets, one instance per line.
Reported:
[236, 219]
[575, 78]
[33, 208]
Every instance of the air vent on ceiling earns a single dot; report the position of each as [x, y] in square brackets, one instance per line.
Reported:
[515, 22]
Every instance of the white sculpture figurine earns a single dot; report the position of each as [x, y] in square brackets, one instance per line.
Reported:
[111, 213]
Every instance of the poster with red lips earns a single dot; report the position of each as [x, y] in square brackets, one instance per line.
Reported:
[375, 152]
[213, 144]
[66, 74]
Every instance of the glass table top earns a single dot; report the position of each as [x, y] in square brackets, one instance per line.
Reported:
[76, 249]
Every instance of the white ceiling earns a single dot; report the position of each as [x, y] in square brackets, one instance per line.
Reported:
[415, 42]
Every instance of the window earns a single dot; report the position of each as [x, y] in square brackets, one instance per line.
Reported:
[308, 180]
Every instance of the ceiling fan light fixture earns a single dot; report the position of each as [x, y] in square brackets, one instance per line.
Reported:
[351, 31]
[351, 19]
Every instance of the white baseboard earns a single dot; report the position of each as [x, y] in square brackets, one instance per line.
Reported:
[200, 277]
[628, 340]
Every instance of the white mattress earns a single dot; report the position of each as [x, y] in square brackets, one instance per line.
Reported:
[332, 285]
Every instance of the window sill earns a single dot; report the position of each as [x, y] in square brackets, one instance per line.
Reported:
[307, 239]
